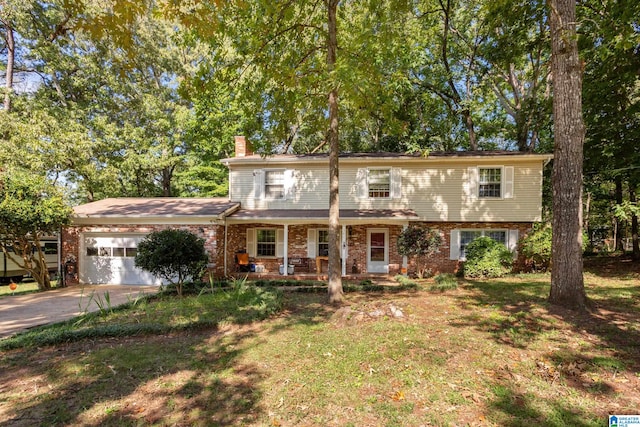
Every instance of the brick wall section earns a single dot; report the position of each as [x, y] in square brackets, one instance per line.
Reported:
[213, 236]
[440, 262]
[356, 240]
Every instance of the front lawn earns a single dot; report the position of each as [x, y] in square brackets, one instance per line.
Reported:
[488, 353]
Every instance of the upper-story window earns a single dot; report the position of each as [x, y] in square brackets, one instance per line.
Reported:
[490, 182]
[379, 181]
[274, 184]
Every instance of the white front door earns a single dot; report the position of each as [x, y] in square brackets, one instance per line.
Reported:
[377, 250]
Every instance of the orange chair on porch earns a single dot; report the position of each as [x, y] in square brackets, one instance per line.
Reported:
[242, 262]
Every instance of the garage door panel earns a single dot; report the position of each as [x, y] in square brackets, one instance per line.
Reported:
[109, 264]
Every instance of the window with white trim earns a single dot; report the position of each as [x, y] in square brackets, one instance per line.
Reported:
[323, 243]
[266, 242]
[467, 236]
[274, 184]
[490, 182]
[379, 183]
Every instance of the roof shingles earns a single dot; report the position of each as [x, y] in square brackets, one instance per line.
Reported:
[155, 207]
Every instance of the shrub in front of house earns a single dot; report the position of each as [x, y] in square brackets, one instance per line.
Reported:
[419, 243]
[174, 255]
[487, 258]
[536, 246]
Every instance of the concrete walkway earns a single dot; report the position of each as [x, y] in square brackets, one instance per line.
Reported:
[21, 312]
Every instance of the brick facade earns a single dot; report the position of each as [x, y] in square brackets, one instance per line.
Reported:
[439, 262]
[356, 262]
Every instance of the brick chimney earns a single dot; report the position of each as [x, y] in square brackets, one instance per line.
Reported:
[243, 148]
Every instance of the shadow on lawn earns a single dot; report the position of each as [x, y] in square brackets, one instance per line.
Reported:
[169, 380]
[181, 378]
[582, 345]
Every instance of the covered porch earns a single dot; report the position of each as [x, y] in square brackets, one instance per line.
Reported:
[294, 243]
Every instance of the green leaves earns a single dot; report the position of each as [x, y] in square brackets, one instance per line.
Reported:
[172, 254]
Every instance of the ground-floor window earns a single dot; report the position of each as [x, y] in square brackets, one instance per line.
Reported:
[323, 242]
[467, 236]
[266, 242]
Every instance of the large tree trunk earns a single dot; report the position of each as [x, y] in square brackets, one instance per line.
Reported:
[567, 282]
[11, 47]
[335, 267]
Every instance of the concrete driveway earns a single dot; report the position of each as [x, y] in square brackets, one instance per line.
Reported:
[21, 312]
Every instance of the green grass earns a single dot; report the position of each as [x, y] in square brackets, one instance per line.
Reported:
[491, 353]
[156, 315]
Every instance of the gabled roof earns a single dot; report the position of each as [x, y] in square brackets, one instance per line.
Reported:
[156, 207]
[358, 157]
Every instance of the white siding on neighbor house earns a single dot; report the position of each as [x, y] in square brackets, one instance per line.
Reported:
[446, 191]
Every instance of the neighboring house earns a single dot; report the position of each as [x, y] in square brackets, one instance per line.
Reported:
[278, 209]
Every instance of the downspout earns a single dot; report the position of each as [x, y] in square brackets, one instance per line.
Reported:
[225, 246]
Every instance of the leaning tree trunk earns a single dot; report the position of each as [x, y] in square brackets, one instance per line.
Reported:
[567, 282]
[335, 268]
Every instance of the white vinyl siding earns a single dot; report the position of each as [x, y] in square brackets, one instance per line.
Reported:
[435, 191]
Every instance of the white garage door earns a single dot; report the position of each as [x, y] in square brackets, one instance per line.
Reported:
[109, 259]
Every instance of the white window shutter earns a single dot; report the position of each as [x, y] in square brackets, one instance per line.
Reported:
[396, 183]
[311, 243]
[507, 192]
[512, 242]
[280, 242]
[258, 184]
[361, 183]
[470, 187]
[251, 242]
[289, 184]
[454, 244]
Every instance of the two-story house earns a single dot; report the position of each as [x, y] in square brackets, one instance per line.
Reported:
[278, 208]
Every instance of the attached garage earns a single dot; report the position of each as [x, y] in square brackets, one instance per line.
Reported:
[107, 258]
[101, 244]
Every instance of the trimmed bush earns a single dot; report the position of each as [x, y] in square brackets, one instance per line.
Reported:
[175, 255]
[487, 258]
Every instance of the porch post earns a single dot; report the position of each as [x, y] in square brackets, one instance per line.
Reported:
[405, 261]
[345, 250]
[285, 253]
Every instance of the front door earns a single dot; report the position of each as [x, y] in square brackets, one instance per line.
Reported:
[378, 250]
